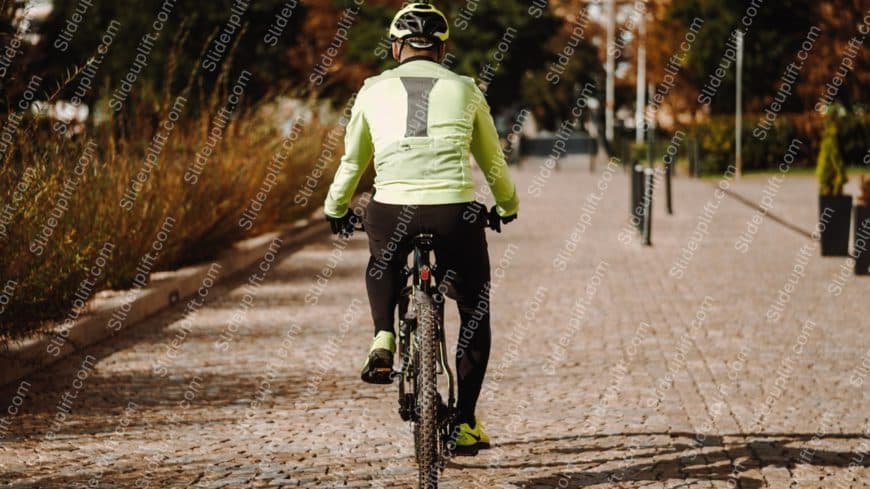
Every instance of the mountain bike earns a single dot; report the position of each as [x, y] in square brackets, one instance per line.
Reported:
[422, 357]
[422, 351]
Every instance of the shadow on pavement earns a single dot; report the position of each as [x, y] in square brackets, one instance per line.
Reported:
[725, 458]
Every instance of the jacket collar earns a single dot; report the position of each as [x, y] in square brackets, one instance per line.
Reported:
[416, 58]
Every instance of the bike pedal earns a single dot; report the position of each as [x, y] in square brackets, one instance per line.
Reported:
[464, 451]
[377, 375]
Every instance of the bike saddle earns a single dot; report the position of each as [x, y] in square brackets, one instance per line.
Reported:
[424, 241]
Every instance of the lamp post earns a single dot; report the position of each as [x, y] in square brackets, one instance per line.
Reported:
[610, 19]
[738, 123]
[640, 102]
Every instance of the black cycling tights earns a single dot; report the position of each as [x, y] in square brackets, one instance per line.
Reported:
[463, 265]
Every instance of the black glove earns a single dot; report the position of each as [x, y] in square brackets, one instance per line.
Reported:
[342, 225]
[495, 220]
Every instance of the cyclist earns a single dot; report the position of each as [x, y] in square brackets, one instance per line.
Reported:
[420, 121]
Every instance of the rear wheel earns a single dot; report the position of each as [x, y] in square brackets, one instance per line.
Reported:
[426, 430]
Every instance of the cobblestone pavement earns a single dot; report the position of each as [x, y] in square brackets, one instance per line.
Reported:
[688, 364]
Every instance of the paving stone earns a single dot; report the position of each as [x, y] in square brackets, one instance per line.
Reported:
[637, 398]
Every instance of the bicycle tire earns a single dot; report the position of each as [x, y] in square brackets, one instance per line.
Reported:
[427, 441]
[416, 424]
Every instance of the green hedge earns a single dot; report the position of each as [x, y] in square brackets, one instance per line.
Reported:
[716, 136]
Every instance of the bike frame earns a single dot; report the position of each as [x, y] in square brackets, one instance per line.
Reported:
[423, 281]
[424, 294]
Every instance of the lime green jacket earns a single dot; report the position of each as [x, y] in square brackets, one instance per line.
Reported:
[421, 121]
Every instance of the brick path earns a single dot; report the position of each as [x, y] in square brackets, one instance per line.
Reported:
[606, 371]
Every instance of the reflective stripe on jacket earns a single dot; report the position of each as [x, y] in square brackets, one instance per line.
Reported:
[421, 122]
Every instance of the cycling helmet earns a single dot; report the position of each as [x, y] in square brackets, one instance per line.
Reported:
[422, 24]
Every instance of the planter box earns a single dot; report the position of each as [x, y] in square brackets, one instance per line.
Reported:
[861, 247]
[835, 216]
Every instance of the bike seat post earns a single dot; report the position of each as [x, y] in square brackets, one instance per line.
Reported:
[423, 242]
[422, 249]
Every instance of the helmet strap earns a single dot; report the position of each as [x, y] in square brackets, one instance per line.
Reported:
[400, 50]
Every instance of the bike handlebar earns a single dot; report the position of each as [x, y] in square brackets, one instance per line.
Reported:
[360, 226]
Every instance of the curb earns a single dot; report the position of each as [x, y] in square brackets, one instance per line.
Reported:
[166, 289]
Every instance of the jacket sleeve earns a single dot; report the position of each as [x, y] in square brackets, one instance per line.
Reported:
[358, 151]
[486, 148]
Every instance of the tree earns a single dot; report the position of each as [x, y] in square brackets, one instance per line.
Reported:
[553, 89]
[830, 170]
[322, 50]
[504, 36]
[13, 29]
[773, 39]
[62, 47]
[839, 21]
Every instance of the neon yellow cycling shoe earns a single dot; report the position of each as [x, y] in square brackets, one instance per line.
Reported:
[469, 440]
[378, 368]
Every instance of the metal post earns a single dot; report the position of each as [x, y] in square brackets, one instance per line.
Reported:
[647, 206]
[696, 151]
[640, 102]
[609, 68]
[636, 194]
[668, 174]
[738, 123]
[651, 131]
[651, 146]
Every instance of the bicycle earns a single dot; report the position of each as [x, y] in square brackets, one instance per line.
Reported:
[422, 353]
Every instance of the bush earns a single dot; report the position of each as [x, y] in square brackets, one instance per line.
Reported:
[853, 131]
[829, 168]
[716, 137]
[637, 152]
[206, 215]
[864, 197]
[630, 151]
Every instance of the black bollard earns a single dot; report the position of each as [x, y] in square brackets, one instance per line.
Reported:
[861, 241]
[647, 206]
[668, 174]
[636, 195]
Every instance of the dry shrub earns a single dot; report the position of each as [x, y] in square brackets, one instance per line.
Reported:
[206, 215]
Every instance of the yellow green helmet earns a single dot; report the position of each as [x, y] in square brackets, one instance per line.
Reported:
[419, 20]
